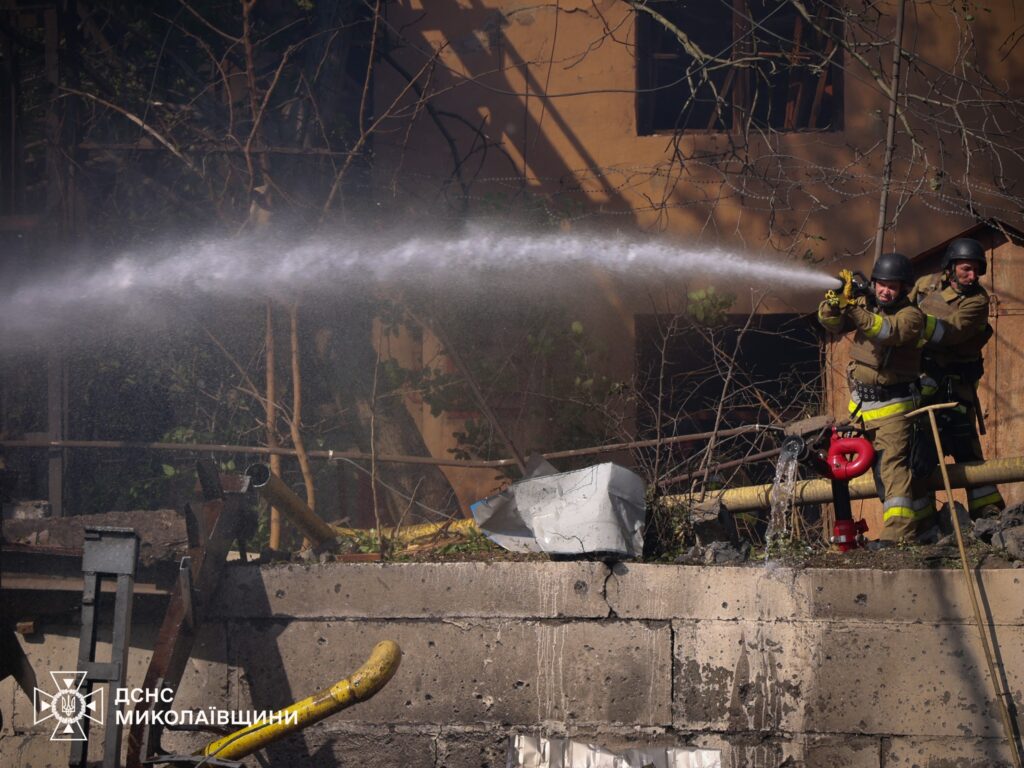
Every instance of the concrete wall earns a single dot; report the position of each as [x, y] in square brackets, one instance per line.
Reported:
[772, 665]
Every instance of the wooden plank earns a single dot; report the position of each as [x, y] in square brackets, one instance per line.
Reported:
[1002, 399]
[42, 583]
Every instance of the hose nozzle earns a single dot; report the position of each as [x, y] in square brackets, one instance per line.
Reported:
[853, 284]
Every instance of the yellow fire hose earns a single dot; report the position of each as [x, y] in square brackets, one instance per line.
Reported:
[360, 686]
[819, 490]
[280, 496]
[409, 533]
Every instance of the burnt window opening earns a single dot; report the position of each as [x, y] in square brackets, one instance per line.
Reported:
[746, 63]
[681, 369]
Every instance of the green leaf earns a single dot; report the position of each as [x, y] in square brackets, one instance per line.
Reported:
[169, 471]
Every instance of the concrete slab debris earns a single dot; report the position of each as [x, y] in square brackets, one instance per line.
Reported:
[599, 509]
[27, 510]
[539, 752]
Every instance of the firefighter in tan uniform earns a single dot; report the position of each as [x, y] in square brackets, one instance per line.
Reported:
[884, 370]
[956, 329]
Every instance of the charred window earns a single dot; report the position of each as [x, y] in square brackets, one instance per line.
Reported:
[729, 65]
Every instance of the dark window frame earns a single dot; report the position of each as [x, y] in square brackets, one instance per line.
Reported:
[738, 89]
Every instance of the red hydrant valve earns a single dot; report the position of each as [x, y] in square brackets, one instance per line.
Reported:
[849, 457]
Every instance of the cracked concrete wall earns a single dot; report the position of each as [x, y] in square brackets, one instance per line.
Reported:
[774, 666]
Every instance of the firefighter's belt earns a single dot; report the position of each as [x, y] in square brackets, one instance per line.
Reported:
[877, 392]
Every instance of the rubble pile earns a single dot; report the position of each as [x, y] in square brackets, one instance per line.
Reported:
[1003, 532]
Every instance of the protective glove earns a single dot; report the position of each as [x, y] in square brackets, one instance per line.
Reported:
[844, 297]
[846, 275]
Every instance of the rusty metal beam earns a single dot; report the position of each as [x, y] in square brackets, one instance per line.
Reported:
[211, 533]
[281, 497]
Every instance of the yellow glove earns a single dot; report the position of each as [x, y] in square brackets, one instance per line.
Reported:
[846, 276]
[843, 298]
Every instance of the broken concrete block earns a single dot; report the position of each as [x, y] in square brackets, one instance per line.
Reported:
[984, 528]
[711, 521]
[723, 552]
[27, 510]
[596, 509]
[1011, 518]
[1013, 542]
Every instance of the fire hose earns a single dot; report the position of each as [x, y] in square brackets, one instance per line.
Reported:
[360, 686]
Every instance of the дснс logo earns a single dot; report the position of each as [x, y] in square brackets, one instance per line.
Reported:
[69, 706]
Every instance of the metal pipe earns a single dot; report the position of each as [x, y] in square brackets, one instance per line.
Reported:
[258, 450]
[992, 472]
[333, 455]
[724, 465]
[278, 495]
[364, 683]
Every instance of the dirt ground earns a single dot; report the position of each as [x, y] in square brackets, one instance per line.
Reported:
[928, 556]
[162, 535]
[163, 538]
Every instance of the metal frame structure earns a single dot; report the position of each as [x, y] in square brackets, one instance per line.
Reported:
[108, 552]
[220, 522]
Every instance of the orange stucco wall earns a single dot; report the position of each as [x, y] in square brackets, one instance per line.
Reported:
[550, 87]
[553, 84]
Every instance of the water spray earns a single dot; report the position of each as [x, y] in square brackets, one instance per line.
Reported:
[478, 259]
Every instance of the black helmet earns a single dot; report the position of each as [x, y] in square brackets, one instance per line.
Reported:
[893, 266]
[965, 249]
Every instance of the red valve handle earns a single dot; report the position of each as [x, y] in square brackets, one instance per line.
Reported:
[840, 449]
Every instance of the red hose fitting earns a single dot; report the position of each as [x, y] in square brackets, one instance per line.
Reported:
[849, 534]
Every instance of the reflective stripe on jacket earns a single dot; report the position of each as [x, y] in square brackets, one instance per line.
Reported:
[884, 349]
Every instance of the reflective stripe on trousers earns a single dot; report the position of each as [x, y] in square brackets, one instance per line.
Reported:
[983, 496]
[912, 509]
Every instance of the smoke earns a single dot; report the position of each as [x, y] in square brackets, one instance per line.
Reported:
[140, 286]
